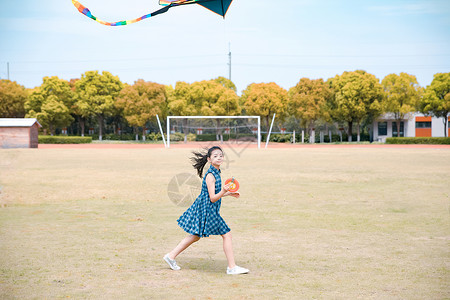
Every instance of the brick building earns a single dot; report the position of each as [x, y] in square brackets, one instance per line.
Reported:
[19, 133]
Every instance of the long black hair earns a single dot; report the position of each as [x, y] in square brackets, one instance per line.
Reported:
[200, 159]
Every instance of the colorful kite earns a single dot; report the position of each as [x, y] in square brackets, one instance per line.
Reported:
[220, 7]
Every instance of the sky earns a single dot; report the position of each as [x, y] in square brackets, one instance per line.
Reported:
[270, 41]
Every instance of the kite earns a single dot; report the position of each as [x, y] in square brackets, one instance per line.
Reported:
[220, 7]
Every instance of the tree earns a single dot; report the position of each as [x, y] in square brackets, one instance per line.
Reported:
[142, 101]
[436, 100]
[308, 102]
[226, 83]
[265, 99]
[357, 95]
[402, 96]
[54, 114]
[75, 111]
[12, 99]
[207, 98]
[51, 86]
[216, 99]
[50, 103]
[182, 102]
[96, 95]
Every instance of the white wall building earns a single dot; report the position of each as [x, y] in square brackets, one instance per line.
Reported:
[414, 125]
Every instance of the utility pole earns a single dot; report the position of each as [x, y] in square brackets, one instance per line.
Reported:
[229, 61]
[7, 69]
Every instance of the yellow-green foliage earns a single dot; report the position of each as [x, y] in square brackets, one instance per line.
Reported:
[12, 99]
[265, 99]
[96, 95]
[48, 139]
[50, 103]
[308, 101]
[142, 101]
[402, 94]
[436, 100]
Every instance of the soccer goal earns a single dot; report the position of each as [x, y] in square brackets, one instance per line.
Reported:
[230, 126]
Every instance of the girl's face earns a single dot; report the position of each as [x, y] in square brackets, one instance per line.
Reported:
[216, 157]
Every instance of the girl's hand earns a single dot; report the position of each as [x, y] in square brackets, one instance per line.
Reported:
[226, 188]
[233, 194]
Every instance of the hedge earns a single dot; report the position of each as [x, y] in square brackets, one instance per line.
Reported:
[418, 140]
[48, 139]
[129, 137]
[335, 138]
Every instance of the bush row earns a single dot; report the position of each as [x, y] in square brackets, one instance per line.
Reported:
[419, 140]
[226, 137]
[48, 139]
[179, 137]
[335, 138]
[278, 138]
[128, 137]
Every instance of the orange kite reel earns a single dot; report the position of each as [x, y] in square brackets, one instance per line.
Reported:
[234, 186]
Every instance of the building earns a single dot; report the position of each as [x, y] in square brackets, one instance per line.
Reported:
[19, 133]
[414, 125]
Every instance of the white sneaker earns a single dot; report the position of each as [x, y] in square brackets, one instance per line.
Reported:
[172, 263]
[237, 270]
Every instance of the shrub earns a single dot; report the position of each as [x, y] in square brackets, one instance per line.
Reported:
[176, 137]
[48, 139]
[111, 137]
[418, 140]
[281, 138]
[191, 137]
[155, 136]
[335, 138]
[119, 137]
[208, 137]
[226, 137]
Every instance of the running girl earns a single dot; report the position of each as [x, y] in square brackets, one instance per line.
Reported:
[202, 218]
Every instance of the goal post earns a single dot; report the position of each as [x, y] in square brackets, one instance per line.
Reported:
[258, 138]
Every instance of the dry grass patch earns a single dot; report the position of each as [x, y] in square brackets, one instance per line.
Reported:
[311, 223]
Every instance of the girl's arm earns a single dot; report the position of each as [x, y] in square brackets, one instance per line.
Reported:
[210, 183]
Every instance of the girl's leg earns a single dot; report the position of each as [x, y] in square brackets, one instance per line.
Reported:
[186, 242]
[228, 249]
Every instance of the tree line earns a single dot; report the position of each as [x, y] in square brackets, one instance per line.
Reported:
[351, 101]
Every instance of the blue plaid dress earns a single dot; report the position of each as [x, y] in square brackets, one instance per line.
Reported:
[202, 218]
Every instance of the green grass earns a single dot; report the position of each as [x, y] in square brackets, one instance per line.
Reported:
[311, 224]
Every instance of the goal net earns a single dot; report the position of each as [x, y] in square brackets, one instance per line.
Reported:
[214, 128]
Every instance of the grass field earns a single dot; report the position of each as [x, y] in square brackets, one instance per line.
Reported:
[312, 223]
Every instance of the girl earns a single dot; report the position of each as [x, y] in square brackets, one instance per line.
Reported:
[202, 218]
